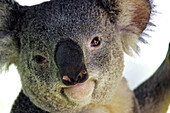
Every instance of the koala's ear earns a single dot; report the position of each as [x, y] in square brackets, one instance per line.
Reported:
[8, 43]
[131, 18]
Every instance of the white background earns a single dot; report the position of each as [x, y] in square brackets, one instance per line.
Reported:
[137, 69]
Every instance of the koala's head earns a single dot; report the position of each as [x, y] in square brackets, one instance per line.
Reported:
[69, 53]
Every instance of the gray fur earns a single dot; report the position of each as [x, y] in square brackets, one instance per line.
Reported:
[26, 32]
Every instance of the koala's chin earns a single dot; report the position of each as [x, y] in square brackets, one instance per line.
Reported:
[80, 92]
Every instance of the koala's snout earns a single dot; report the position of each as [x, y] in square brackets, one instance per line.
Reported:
[69, 59]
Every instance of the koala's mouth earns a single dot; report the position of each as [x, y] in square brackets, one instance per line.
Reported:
[80, 91]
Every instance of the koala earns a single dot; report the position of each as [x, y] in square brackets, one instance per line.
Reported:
[69, 54]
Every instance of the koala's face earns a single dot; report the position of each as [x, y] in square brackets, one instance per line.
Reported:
[70, 54]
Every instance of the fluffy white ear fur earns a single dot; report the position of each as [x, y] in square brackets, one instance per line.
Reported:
[132, 20]
[8, 45]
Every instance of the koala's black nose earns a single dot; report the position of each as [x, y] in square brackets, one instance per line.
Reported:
[69, 59]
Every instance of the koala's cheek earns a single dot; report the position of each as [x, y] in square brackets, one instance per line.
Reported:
[106, 81]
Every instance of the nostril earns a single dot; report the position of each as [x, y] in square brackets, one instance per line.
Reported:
[66, 78]
[82, 77]
[68, 81]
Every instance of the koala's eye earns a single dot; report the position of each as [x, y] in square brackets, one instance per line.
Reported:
[40, 59]
[95, 42]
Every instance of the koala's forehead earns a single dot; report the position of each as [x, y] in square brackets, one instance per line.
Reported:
[64, 18]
